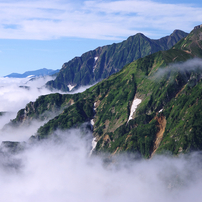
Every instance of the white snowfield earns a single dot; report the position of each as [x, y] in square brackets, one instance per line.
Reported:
[135, 103]
[70, 87]
[94, 143]
[92, 122]
[94, 106]
[95, 58]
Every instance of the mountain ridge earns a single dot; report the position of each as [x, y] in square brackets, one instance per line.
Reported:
[102, 62]
[39, 72]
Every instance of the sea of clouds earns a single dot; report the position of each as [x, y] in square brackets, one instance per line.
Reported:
[60, 169]
[15, 93]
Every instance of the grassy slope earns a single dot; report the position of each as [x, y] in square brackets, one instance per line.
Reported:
[192, 43]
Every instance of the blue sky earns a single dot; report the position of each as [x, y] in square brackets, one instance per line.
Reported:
[44, 34]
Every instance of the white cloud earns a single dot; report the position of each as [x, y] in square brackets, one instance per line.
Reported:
[187, 66]
[62, 171]
[92, 19]
[13, 98]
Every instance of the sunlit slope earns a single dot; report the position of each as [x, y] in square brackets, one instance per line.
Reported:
[100, 63]
[168, 83]
[192, 44]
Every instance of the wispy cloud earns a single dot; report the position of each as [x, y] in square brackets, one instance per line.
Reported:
[92, 19]
[188, 66]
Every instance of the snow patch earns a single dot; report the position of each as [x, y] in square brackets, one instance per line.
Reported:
[94, 106]
[136, 102]
[70, 87]
[95, 58]
[94, 143]
[92, 122]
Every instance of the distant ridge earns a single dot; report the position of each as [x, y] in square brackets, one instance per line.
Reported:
[39, 72]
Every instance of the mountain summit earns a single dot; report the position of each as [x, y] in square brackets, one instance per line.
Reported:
[100, 63]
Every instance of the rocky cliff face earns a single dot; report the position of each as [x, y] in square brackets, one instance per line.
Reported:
[104, 61]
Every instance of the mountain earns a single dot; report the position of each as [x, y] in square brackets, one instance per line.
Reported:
[40, 72]
[192, 44]
[153, 105]
[100, 63]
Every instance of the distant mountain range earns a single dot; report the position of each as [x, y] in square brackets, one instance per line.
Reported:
[104, 61]
[35, 73]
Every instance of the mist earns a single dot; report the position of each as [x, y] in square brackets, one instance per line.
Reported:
[188, 66]
[60, 169]
[15, 94]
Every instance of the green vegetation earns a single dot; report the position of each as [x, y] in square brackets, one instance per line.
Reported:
[184, 120]
[39, 110]
[166, 93]
[137, 136]
[75, 115]
[192, 43]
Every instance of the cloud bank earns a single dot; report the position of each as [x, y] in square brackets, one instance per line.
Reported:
[63, 171]
[93, 19]
[15, 94]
